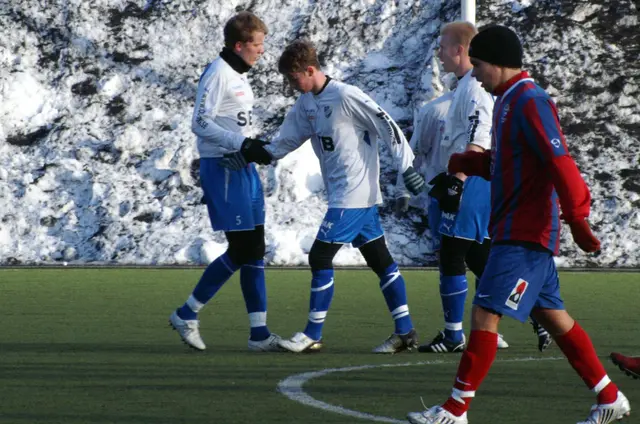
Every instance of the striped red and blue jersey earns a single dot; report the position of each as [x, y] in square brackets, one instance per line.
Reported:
[532, 172]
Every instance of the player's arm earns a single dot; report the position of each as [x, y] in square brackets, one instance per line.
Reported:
[210, 94]
[478, 108]
[293, 132]
[541, 127]
[369, 115]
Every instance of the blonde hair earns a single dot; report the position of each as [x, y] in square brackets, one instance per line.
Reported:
[461, 32]
[297, 56]
[241, 27]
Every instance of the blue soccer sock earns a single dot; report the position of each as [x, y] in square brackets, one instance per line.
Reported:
[321, 295]
[453, 292]
[214, 277]
[395, 294]
[255, 298]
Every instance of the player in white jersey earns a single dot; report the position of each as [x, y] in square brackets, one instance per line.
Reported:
[344, 126]
[234, 198]
[425, 142]
[464, 202]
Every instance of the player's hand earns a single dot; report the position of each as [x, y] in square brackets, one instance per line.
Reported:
[438, 186]
[450, 201]
[413, 181]
[253, 151]
[402, 206]
[583, 236]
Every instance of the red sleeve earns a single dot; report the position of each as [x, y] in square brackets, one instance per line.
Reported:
[471, 163]
[543, 134]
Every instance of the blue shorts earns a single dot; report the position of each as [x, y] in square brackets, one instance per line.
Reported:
[471, 222]
[516, 280]
[355, 226]
[433, 217]
[234, 198]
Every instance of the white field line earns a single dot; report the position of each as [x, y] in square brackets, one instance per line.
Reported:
[292, 386]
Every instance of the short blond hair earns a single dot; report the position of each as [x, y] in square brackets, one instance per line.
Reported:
[461, 32]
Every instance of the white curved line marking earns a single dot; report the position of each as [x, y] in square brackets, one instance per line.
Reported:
[291, 386]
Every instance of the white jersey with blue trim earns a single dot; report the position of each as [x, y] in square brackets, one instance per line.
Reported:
[428, 130]
[222, 116]
[344, 125]
[468, 120]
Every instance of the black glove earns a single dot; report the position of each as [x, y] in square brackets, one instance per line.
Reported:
[439, 186]
[401, 207]
[253, 151]
[450, 202]
[413, 181]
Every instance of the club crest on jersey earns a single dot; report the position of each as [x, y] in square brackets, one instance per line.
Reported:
[327, 111]
[513, 301]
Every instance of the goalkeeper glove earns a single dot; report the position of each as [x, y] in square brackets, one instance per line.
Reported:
[413, 181]
[447, 189]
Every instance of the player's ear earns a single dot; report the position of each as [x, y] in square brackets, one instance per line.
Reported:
[311, 71]
[238, 46]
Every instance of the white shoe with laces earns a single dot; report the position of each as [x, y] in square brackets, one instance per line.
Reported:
[502, 343]
[189, 331]
[609, 412]
[436, 415]
[300, 342]
[270, 344]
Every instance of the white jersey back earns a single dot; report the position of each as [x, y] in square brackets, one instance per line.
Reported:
[222, 116]
[344, 125]
[468, 120]
[428, 131]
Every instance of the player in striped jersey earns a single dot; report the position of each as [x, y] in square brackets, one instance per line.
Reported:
[222, 123]
[531, 171]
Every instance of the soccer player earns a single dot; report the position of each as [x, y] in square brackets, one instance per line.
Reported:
[425, 143]
[344, 125]
[463, 220]
[235, 201]
[530, 170]
[628, 364]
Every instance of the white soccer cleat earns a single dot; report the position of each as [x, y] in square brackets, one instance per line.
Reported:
[300, 342]
[436, 415]
[188, 330]
[270, 344]
[502, 343]
[609, 412]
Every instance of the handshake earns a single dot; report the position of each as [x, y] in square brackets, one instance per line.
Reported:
[252, 150]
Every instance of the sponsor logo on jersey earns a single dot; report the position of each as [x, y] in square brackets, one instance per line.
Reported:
[513, 301]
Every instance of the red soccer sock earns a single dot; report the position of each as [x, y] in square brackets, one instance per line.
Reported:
[474, 367]
[577, 347]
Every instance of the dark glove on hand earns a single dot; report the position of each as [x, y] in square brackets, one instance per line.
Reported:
[401, 207]
[583, 236]
[450, 202]
[413, 181]
[439, 186]
[253, 151]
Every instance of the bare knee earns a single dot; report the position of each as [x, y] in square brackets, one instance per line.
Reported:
[483, 319]
[556, 321]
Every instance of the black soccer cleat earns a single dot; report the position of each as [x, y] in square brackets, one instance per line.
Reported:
[440, 344]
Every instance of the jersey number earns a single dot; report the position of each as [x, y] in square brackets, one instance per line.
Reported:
[327, 144]
[244, 118]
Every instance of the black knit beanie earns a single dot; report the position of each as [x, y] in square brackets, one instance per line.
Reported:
[497, 45]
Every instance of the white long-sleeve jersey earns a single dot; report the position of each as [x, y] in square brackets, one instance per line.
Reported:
[428, 130]
[222, 116]
[344, 125]
[468, 120]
